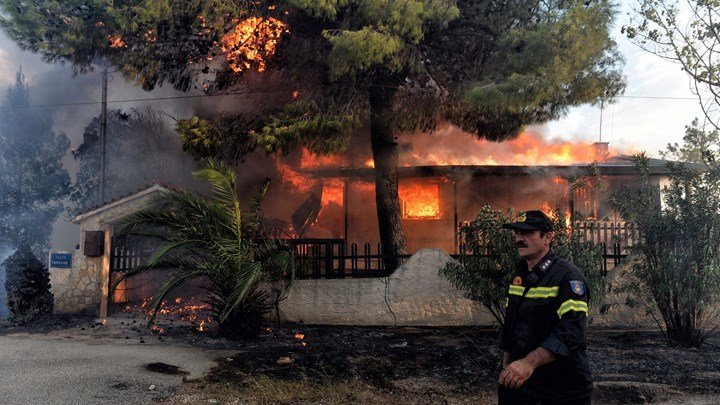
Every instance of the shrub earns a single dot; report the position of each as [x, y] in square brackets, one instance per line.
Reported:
[27, 284]
[490, 258]
[677, 260]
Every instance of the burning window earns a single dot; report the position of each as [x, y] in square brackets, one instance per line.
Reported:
[420, 200]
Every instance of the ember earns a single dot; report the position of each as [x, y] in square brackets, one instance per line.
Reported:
[299, 335]
[116, 41]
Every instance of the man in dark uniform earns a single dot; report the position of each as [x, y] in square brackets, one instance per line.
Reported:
[543, 339]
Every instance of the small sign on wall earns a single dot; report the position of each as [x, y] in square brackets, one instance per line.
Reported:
[61, 260]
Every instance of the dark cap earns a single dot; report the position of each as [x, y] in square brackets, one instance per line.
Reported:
[530, 221]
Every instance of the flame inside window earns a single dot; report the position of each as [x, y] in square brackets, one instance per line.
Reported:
[420, 200]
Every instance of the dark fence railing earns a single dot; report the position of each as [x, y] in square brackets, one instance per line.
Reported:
[333, 258]
[129, 253]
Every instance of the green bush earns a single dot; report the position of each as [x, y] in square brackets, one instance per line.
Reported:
[676, 263]
[490, 258]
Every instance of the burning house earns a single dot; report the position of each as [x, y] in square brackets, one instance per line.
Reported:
[440, 191]
[325, 208]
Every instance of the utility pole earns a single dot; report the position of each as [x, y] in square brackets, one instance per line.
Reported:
[602, 106]
[103, 133]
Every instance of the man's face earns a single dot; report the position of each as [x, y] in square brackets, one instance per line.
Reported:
[530, 244]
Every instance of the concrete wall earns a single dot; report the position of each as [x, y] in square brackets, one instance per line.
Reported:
[413, 295]
[416, 295]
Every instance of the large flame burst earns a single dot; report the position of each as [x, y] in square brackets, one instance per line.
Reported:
[252, 42]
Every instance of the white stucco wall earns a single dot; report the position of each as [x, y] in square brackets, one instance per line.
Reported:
[414, 295]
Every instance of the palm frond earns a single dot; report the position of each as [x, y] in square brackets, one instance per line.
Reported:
[222, 180]
[245, 283]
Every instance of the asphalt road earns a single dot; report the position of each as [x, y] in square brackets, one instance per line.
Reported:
[42, 371]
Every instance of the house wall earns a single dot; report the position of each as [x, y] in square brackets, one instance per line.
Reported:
[83, 288]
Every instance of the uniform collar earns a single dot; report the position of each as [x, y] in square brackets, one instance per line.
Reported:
[542, 266]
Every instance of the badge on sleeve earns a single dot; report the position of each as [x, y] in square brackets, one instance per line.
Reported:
[517, 281]
[577, 286]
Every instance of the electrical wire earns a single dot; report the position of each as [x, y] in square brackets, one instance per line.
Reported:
[256, 91]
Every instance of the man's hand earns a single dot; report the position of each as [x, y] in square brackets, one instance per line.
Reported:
[516, 373]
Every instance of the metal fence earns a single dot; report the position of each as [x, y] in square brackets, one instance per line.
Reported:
[331, 258]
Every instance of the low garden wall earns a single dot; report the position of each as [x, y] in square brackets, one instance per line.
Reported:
[414, 295]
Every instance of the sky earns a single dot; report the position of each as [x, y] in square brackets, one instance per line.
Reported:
[634, 123]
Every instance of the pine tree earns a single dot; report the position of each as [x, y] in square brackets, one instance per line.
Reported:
[32, 179]
[338, 67]
[27, 284]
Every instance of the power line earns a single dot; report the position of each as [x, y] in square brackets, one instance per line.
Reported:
[257, 91]
[139, 100]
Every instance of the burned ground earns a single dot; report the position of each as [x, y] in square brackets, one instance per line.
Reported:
[335, 364]
[426, 365]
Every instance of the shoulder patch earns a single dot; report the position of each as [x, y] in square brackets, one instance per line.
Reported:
[517, 281]
[577, 286]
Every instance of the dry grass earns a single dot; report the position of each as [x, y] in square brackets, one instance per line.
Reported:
[266, 390]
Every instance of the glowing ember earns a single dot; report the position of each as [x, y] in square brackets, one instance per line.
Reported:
[299, 335]
[252, 42]
[303, 344]
[369, 163]
[116, 41]
[420, 200]
[104, 322]
[201, 327]
[295, 95]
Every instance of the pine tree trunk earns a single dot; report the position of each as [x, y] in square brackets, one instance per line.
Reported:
[385, 155]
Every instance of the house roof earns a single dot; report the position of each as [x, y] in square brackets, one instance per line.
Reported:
[123, 199]
[614, 166]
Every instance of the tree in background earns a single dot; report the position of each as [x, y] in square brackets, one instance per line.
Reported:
[485, 269]
[246, 273]
[674, 268]
[141, 150]
[687, 35]
[332, 68]
[33, 181]
[27, 285]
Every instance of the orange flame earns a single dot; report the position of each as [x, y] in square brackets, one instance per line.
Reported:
[420, 200]
[251, 42]
[299, 335]
[451, 146]
[116, 41]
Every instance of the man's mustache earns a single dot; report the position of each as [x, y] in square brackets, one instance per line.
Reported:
[521, 244]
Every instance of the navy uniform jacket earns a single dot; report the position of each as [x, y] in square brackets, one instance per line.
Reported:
[548, 308]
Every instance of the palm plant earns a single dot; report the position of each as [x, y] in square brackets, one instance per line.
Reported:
[244, 271]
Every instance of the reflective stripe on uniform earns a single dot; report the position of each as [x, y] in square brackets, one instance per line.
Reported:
[516, 290]
[572, 305]
[536, 292]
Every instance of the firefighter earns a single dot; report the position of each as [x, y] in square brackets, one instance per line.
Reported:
[543, 340]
